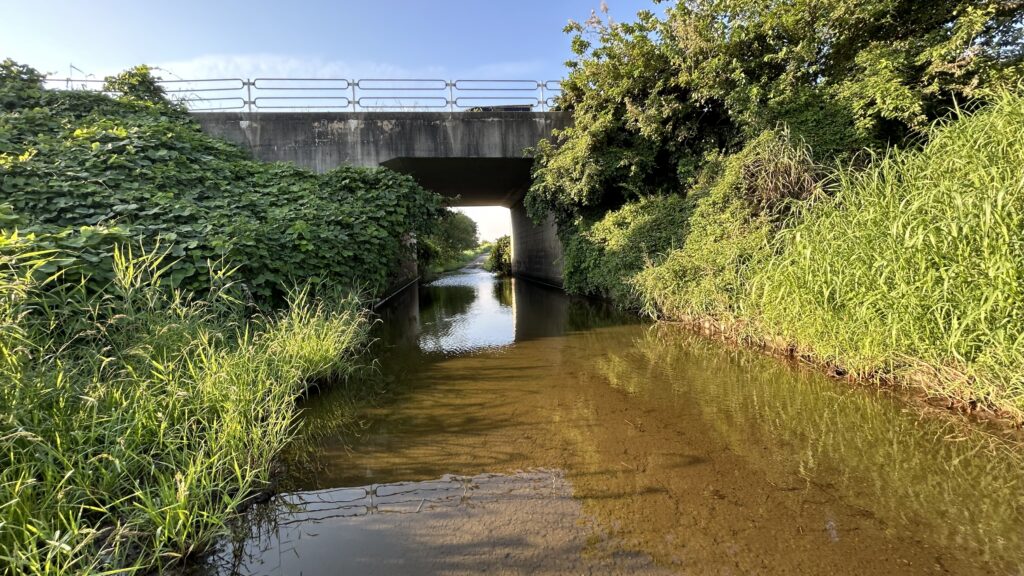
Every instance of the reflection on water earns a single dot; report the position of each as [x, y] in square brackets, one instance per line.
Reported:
[522, 523]
[647, 449]
[461, 314]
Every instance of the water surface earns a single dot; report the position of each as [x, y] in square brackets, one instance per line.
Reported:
[529, 432]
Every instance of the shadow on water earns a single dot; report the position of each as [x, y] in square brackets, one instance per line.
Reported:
[600, 444]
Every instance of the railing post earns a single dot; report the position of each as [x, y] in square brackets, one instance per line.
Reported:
[208, 94]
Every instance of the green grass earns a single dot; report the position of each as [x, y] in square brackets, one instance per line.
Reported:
[135, 421]
[908, 268]
[732, 214]
[914, 268]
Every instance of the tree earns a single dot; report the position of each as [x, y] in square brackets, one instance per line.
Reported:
[457, 232]
[636, 129]
[653, 99]
[454, 233]
[500, 258]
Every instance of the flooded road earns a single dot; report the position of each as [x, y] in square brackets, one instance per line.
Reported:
[526, 432]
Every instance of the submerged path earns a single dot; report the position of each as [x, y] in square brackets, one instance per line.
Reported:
[528, 432]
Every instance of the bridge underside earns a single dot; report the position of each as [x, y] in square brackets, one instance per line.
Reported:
[474, 181]
[475, 158]
[536, 250]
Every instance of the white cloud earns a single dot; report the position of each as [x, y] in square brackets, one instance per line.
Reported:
[280, 66]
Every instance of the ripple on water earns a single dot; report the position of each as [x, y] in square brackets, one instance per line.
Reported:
[463, 319]
[521, 523]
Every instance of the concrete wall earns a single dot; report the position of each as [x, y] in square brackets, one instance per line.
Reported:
[321, 141]
[536, 250]
[478, 157]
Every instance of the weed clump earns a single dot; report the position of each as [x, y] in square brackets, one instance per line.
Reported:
[135, 420]
[914, 267]
[152, 345]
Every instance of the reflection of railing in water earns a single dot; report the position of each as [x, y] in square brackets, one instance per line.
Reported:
[397, 498]
[271, 538]
[366, 95]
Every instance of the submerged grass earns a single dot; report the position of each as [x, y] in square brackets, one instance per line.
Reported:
[135, 421]
[956, 484]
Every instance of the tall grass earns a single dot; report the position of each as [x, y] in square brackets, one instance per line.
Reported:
[909, 268]
[732, 213]
[133, 422]
[914, 268]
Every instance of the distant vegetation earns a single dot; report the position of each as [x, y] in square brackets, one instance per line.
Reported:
[839, 179]
[163, 301]
[500, 258]
[83, 172]
[450, 245]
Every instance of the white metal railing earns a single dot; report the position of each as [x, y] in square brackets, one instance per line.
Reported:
[366, 95]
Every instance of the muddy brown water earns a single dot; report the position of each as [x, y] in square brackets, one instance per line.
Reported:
[527, 432]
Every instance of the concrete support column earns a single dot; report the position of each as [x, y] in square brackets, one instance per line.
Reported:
[536, 249]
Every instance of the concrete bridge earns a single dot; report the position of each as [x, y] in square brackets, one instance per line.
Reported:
[476, 157]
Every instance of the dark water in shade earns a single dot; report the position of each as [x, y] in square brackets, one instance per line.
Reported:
[531, 433]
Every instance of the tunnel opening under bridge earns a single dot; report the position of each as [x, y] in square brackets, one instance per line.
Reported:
[536, 249]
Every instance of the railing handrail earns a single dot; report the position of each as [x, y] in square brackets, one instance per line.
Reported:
[204, 94]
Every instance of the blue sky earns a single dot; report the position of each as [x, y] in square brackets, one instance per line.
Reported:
[347, 39]
[364, 38]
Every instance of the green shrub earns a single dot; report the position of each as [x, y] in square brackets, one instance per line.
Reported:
[735, 209]
[137, 84]
[75, 159]
[916, 264]
[20, 85]
[601, 257]
[500, 258]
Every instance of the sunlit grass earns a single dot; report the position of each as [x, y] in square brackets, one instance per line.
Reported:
[908, 269]
[914, 268]
[135, 421]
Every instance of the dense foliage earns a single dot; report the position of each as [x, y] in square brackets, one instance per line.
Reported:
[82, 171]
[135, 420]
[653, 98]
[454, 235]
[138, 84]
[839, 178]
[601, 253]
[146, 381]
[499, 260]
[735, 211]
[909, 267]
